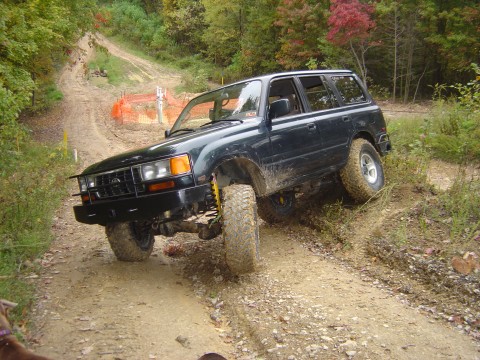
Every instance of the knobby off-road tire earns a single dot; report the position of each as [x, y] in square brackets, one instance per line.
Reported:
[131, 241]
[276, 208]
[363, 175]
[240, 228]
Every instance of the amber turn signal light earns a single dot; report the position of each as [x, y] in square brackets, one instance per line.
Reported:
[161, 186]
[86, 198]
[179, 165]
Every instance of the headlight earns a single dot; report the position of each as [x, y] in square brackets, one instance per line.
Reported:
[165, 168]
[155, 170]
[86, 182]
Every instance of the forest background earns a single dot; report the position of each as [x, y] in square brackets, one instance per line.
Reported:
[403, 50]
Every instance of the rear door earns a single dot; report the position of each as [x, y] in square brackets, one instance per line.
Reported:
[333, 125]
[356, 103]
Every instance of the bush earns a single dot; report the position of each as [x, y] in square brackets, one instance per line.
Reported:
[196, 80]
[455, 133]
[32, 183]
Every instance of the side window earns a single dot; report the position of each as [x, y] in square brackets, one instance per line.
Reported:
[285, 89]
[318, 95]
[349, 89]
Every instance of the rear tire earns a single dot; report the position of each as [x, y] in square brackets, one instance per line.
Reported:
[277, 207]
[240, 228]
[363, 175]
[131, 241]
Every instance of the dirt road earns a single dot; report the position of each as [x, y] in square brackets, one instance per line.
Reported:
[302, 303]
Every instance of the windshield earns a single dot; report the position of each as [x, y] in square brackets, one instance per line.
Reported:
[236, 102]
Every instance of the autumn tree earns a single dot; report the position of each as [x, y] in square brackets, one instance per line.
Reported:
[225, 26]
[350, 23]
[259, 42]
[300, 23]
[184, 22]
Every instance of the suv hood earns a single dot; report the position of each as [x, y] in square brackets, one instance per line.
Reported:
[175, 145]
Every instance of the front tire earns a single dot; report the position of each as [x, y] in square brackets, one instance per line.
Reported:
[240, 228]
[131, 241]
[363, 175]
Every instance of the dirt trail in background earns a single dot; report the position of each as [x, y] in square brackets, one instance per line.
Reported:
[301, 304]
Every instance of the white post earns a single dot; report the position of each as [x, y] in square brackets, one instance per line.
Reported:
[159, 104]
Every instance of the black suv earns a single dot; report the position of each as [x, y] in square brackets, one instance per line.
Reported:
[242, 148]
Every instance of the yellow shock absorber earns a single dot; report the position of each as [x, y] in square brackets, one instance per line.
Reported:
[215, 192]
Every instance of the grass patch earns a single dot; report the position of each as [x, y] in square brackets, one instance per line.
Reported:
[32, 184]
[460, 209]
[46, 96]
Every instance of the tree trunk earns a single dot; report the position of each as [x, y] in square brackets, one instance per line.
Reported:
[410, 48]
[395, 52]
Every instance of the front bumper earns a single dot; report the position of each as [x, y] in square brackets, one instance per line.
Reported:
[139, 208]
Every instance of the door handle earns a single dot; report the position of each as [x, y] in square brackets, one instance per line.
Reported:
[311, 127]
[346, 118]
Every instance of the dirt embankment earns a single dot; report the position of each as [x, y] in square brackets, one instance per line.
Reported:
[303, 303]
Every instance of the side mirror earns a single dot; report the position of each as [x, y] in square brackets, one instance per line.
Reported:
[167, 133]
[279, 108]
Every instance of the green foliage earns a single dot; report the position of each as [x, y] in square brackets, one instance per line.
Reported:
[132, 22]
[455, 131]
[451, 132]
[455, 135]
[34, 36]
[46, 96]
[401, 169]
[225, 21]
[184, 23]
[32, 182]
[259, 41]
[469, 94]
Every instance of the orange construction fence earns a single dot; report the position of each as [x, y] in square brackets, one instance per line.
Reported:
[142, 108]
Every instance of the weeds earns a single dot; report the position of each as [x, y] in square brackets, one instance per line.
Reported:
[195, 81]
[32, 182]
[461, 207]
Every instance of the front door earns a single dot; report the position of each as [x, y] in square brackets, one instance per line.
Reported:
[293, 137]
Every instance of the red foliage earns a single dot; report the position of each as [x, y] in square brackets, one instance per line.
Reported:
[100, 20]
[298, 21]
[349, 20]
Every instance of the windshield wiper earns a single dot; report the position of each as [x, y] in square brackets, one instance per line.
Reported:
[220, 120]
[184, 129]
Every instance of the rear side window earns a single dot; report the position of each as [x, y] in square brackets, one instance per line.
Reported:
[318, 95]
[349, 89]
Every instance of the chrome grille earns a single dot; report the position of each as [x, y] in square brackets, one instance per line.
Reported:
[125, 182]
